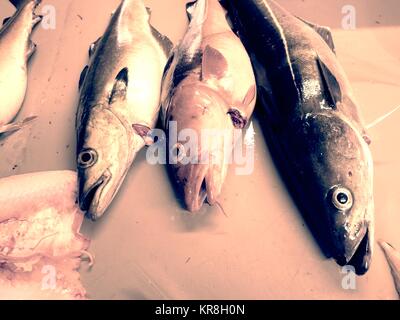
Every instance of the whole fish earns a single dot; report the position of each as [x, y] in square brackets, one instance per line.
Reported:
[16, 48]
[313, 126]
[209, 84]
[393, 258]
[119, 103]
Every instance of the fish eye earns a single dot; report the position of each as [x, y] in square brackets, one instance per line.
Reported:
[342, 198]
[87, 158]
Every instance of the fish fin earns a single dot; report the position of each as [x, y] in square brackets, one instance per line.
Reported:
[190, 6]
[330, 83]
[31, 49]
[6, 20]
[163, 40]
[324, 32]
[120, 86]
[143, 131]
[148, 9]
[36, 20]
[214, 64]
[93, 47]
[83, 76]
[382, 118]
[15, 126]
[367, 139]
[250, 96]
[17, 3]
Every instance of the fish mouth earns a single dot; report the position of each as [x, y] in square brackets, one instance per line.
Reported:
[360, 257]
[90, 201]
[205, 191]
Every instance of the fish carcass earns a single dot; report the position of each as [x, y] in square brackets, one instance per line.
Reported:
[119, 103]
[209, 84]
[40, 244]
[16, 48]
[313, 126]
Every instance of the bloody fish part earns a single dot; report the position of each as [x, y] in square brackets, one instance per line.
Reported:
[16, 48]
[40, 244]
[208, 85]
[313, 127]
[119, 103]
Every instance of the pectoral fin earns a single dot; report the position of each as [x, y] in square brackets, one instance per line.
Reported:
[324, 32]
[120, 86]
[331, 86]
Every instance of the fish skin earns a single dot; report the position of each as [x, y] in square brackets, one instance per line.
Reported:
[119, 103]
[312, 125]
[393, 259]
[16, 48]
[208, 84]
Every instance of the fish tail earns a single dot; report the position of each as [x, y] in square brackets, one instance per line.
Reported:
[20, 3]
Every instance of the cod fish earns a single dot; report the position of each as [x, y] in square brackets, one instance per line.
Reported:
[393, 258]
[16, 48]
[119, 103]
[313, 126]
[209, 84]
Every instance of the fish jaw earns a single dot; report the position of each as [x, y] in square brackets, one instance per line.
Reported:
[393, 258]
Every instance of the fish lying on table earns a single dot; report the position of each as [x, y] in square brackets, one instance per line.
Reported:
[16, 48]
[393, 258]
[119, 103]
[40, 244]
[209, 84]
[313, 126]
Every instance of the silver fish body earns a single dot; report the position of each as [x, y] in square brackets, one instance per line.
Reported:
[313, 126]
[119, 103]
[16, 48]
[209, 84]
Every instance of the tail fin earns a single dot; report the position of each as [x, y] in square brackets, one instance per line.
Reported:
[20, 3]
[15, 126]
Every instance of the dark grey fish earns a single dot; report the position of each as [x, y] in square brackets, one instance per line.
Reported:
[16, 48]
[209, 85]
[313, 126]
[119, 103]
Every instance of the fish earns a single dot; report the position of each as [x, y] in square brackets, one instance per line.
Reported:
[393, 258]
[16, 49]
[119, 103]
[41, 248]
[313, 127]
[208, 84]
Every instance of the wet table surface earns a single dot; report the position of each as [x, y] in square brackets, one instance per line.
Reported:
[147, 246]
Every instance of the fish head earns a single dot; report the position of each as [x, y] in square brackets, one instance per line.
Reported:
[201, 161]
[342, 163]
[104, 154]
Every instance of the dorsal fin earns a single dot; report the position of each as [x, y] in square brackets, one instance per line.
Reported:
[190, 6]
[17, 3]
[120, 86]
[324, 32]
[83, 76]
[93, 47]
[163, 40]
[330, 85]
[6, 20]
